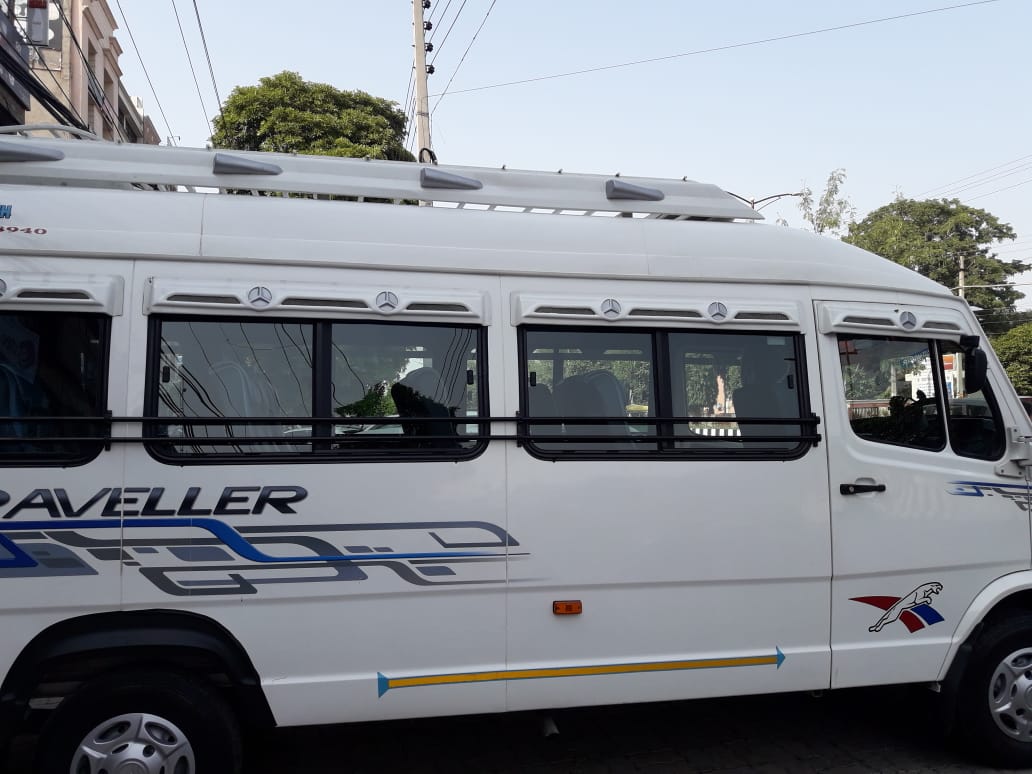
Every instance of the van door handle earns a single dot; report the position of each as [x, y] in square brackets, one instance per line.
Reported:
[852, 489]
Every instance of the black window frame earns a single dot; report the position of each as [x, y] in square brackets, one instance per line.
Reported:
[100, 424]
[664, 438]
[320, 441]
[999, 426]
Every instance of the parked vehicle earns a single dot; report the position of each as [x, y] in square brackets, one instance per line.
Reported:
[315, 455]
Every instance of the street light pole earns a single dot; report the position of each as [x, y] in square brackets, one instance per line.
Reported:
[768, 199]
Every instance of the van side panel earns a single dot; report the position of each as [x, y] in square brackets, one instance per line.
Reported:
[713, 572]
[337, 576]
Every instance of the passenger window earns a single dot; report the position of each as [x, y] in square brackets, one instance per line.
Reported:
[52, 365]
[602, 375]
[726, 383]
[316, 388]
[223, 371]
[975, 426]
[892, 390]
[634, 393]
[421, 377]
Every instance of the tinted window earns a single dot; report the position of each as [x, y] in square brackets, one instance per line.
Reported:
[52, 365]
[591, 374]
[892, 390]
[396, 389]
[639, 393]
[975, 426]
[743, 377]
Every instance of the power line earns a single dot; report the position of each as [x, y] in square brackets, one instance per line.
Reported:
[983, 181]
[443, 13]
[463, 59]
[146, 74]
[408, 91]
[440, 45]
[715, 49]
[193, 72]
[207, 55]
[976, 174]
[987, 180]
[55, 108]
[1005, 188]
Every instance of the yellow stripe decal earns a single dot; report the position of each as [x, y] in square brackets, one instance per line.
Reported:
[385, 683]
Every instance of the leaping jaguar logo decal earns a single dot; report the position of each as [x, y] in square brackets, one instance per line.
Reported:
[913, 610]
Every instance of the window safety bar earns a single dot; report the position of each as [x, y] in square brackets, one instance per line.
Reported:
[524, 424]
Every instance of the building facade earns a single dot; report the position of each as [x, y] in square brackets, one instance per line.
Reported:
[14, 58]
[78, 64]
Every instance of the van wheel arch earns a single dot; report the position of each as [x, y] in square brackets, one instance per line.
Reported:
[1018, 603]
[79, 648]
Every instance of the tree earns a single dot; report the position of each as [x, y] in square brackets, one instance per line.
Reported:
[832, 211]
[1014, 348]
[940, 237]
[286, 114]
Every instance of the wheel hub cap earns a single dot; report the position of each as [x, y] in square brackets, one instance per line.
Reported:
[1010, 695]
[136, 743]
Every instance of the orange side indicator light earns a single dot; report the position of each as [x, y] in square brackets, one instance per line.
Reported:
[567, 607]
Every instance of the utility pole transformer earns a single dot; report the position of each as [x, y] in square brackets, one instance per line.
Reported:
[424, 152]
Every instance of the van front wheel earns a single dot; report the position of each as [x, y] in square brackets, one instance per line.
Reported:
[995, 700]
[141, 721]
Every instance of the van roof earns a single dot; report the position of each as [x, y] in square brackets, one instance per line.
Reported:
[108, 199]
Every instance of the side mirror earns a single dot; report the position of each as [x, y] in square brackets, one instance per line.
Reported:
[975, 365]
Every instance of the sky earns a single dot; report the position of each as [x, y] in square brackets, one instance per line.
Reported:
[933, 104]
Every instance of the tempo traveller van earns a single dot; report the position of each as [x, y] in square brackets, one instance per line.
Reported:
[280, 447]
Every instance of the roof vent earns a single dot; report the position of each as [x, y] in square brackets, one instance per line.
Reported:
[334, 303]
[429, 306]
[61, 295]
[580, 311]
[862, 320]
[196, 298]
[683, 313]
[761, 316]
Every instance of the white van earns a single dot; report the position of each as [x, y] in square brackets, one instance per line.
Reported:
[278, 447]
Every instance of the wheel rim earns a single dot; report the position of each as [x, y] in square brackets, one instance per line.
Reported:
[136, 743]
[1010, 695]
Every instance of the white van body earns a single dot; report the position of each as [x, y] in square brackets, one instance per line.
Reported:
[325, 583]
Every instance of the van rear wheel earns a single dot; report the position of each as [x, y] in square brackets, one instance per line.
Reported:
[995, 700]
[149, 722]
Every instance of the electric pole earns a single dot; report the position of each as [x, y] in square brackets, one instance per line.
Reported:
[422, 112]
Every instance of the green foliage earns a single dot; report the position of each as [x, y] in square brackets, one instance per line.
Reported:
[831, 212]
[935, 237]
[634, 375]
[1014, 348]
[861, 384]
[701, 382]
[286, 114]
[377, 402]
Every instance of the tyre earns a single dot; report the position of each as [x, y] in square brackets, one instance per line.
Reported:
[144, 721]
[994, 710]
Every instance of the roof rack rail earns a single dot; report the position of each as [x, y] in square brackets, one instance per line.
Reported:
[55, 130]
[35, 160]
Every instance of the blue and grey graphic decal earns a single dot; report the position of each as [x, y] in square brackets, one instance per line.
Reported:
[191, 554]
[1016, 493]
